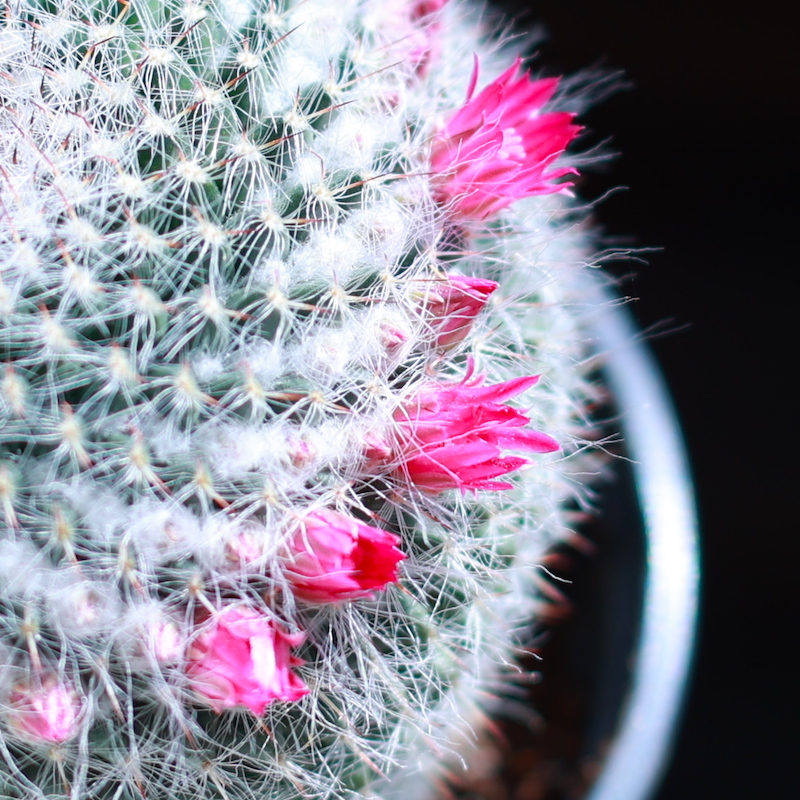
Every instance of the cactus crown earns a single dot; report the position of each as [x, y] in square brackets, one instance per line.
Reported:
[253, 346]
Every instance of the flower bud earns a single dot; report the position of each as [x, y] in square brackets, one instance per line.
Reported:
[48, 713]
[241, 657]
[454, 304]
[165, 641]
[334, 557]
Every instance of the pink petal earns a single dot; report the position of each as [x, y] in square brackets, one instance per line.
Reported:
[496, 147]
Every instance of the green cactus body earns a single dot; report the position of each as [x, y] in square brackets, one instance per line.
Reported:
[218, 245]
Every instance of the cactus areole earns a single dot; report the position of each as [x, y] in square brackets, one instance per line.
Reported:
[285, 286]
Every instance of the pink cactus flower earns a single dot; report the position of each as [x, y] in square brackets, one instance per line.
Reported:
[334, 557]
[48, 714]
[241, 657]
[425, 8]
[455, 303]
[455, 435]
[498, 147]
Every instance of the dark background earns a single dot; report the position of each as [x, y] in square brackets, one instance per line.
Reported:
[707, 136]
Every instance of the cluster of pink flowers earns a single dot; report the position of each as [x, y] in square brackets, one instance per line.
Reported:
[499, 147]
[449, 436]
[240, 656]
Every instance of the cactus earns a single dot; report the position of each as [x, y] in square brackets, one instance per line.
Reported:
[277, 283]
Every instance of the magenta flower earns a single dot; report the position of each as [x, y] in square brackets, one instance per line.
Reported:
[498, 147]
[454, 304]
[455, 435]
[48, 714]
[420, 9]
[241, 657]
[335, 557]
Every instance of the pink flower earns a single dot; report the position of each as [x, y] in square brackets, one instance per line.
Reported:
[498, 148]
[243, 658]
[455, 303]
[336, 557]
[425, 8]
[455, 435]
[48, 714]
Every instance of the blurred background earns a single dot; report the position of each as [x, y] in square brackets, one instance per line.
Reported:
[707, 136]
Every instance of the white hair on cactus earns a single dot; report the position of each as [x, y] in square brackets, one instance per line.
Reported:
[218, 230]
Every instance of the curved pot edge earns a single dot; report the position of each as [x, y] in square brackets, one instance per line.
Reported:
[651, 431]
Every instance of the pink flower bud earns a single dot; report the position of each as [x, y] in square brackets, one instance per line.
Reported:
[301, 452]
[425, 8]
[498, 147]
[241, 657]
[165, 641]
[244, 547]
[454, 435]
[454, 304]
[47, 714]
[376, 448]
[391, 335]
[335, 557]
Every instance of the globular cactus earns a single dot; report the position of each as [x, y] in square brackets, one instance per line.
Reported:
[277, 280]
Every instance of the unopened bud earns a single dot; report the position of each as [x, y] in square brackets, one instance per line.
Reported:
[49, 713]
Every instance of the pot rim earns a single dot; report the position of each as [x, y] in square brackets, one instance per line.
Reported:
[649, 718]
